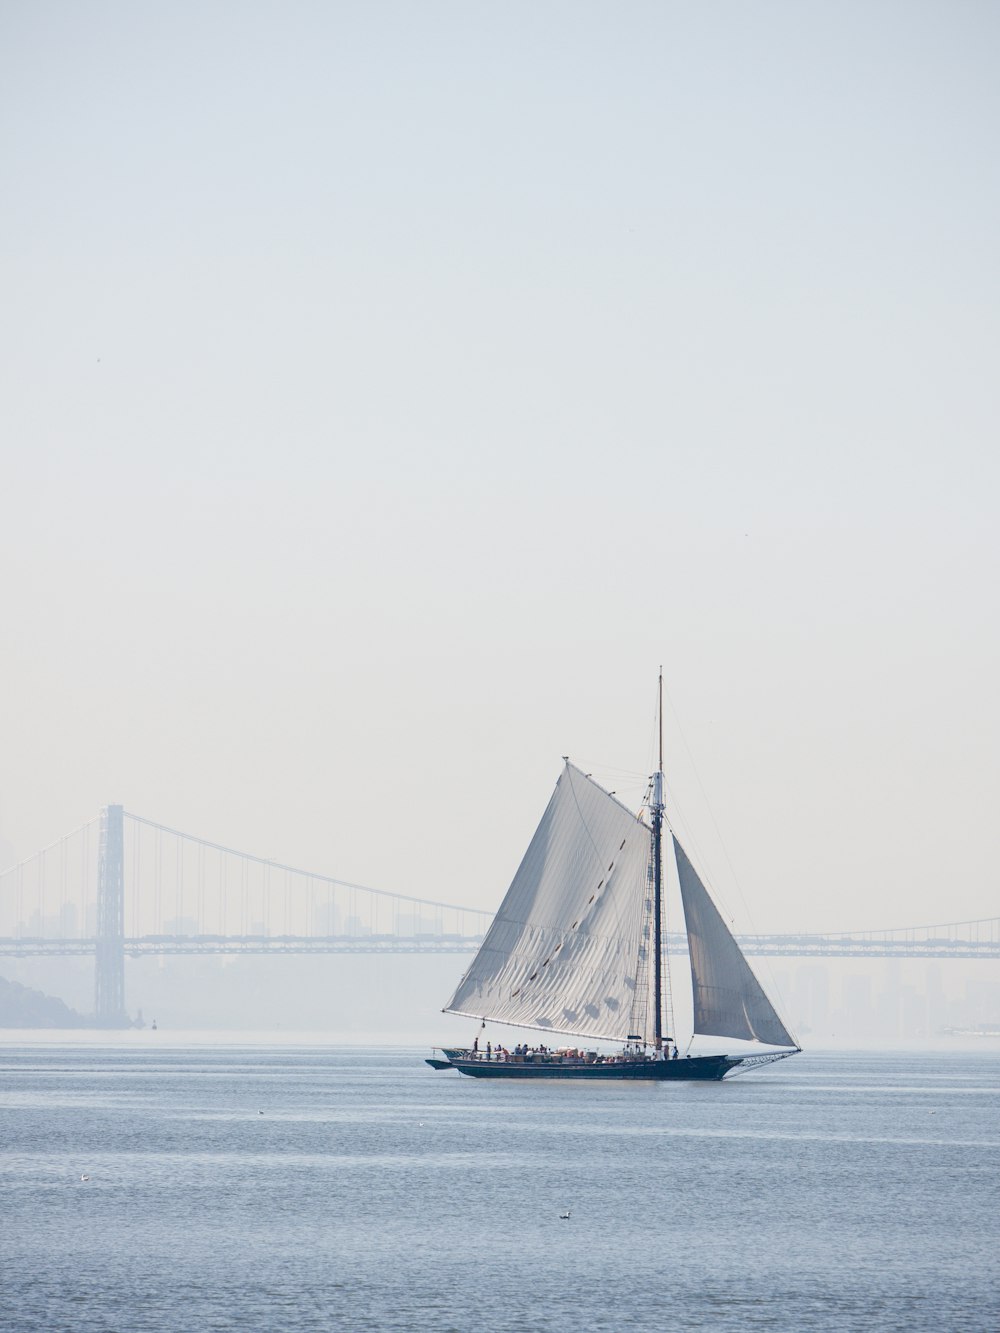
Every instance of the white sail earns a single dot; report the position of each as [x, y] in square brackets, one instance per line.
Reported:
[729, 1001]
[568, 948]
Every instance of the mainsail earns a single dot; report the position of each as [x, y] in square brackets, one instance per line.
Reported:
[568, 950]
[729, 1001]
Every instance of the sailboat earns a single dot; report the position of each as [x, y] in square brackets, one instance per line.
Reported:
[577, 950]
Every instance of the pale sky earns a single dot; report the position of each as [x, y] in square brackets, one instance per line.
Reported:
[388, 389]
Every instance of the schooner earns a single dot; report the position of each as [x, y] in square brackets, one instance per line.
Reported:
[577, 950]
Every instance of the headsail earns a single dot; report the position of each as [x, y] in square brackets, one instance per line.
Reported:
[729, 1001]
[568, 946]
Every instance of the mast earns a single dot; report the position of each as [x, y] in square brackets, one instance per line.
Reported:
[657, 813]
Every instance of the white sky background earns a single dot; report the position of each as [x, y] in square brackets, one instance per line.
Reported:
[389, 388]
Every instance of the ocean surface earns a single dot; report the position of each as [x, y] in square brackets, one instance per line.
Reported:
[271, 1188]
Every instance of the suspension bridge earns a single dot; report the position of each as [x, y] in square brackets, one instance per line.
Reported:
[124, 886]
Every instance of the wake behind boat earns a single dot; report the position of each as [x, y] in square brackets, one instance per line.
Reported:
[577, 949]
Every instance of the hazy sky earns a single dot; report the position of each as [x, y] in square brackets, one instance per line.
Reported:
[389, 388]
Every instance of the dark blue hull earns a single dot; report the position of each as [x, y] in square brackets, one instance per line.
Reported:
[699, 1067]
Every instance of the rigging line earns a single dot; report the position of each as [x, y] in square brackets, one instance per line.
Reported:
[625, 793]
[624, 796]
[655, 731]
[772, 979]
[773, 989]
[773, 986]
[708, 804]
[691, 840]
[610, 794]
[610, 768]
[576, 801]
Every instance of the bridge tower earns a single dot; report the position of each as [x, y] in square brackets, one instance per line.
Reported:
[109, 1003]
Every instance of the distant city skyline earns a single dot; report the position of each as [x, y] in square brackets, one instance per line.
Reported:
[846, 1003]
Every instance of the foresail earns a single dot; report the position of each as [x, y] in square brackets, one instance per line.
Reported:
[566, 949]
[729, 1001]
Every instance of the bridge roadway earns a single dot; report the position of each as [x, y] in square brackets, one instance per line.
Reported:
[775, 946]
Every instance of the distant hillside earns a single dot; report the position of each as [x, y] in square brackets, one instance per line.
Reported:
[21, 1007]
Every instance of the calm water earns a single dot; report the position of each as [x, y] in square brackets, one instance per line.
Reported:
[829, 1192]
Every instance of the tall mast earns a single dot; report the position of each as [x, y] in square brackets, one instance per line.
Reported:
[657, 812]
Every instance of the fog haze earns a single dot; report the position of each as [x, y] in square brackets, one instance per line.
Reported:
[390, 389]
